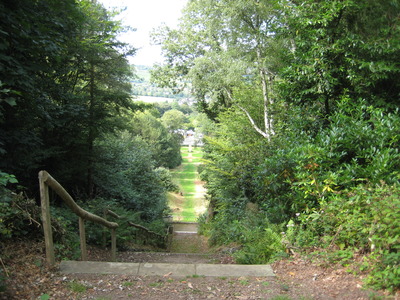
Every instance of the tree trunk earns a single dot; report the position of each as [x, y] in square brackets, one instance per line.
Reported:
[265, 80]
[89, 186]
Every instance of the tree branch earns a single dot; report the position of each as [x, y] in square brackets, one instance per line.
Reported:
[253, 124]
[264, 134]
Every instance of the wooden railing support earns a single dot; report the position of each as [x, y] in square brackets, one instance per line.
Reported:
[82, 238]
[113, 244]
[104, 233]
[107, 212]
[48, 234]
[45, 181]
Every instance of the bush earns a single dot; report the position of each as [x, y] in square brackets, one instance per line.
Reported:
[259, 240]
[384, 267]
[166, 179]
[66, 231]
[19, 216]
[125, 233]
[228, 224]
[364, 219]
[299, 171]
[260, 246]
[134, 183]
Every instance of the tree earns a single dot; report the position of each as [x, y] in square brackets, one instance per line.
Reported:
[164, 145]
[104, 78]
[36, 43]
[279, 78]
[335, 53]
[68, 77]
[124, 171]
[174, 119]
[227, 46]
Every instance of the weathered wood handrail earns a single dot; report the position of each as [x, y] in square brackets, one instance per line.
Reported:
[111, 213]
[45, 181]
[147, 231]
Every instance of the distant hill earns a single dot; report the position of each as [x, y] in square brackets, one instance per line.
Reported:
[143, 87]
[143, 72]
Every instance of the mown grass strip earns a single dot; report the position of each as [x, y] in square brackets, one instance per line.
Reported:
[184, 204]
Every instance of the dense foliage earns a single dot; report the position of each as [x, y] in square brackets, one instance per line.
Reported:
[306, 130]
[302, 135]
[66, 107]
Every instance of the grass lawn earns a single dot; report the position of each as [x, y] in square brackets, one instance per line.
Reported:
[190, 203]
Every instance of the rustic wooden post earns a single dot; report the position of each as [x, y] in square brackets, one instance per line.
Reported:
[104, 236]
[135, 236]
[113, 245]
[82, 235]
[46, 221]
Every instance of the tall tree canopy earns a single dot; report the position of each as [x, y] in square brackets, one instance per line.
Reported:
[65, 78]
[221, 46]
[318, 50]
[66, 106]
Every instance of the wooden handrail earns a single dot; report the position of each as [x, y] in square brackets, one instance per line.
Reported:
[45, 181]
[145, 229]
[111, 213]
[60, 191]
[158, 236]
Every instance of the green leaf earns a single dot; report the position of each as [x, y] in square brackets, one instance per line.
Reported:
[44, 297]
[11, 101]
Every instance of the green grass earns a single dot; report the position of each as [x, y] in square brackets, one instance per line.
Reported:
[281, 297]
[185, 176]
[156, 284]
[244, 282]
[77, 287]
[127, 283]
[189, 168]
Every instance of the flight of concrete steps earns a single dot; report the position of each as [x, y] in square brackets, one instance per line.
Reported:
[191, 260]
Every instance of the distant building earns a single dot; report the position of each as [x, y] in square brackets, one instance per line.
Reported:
[192, 139]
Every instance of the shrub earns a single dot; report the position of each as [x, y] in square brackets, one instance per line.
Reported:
[19, 216]
[166, 179]
[365, 219]
[228, 224]
[260, 246]
[299, 171]
[259, 240]
[125, 233]
[64, 223]
[134, 182]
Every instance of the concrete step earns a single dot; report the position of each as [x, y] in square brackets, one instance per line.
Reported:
[190, 227]
[164, 269]
[168, 257]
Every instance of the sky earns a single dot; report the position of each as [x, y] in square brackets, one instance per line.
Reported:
[145, 15]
